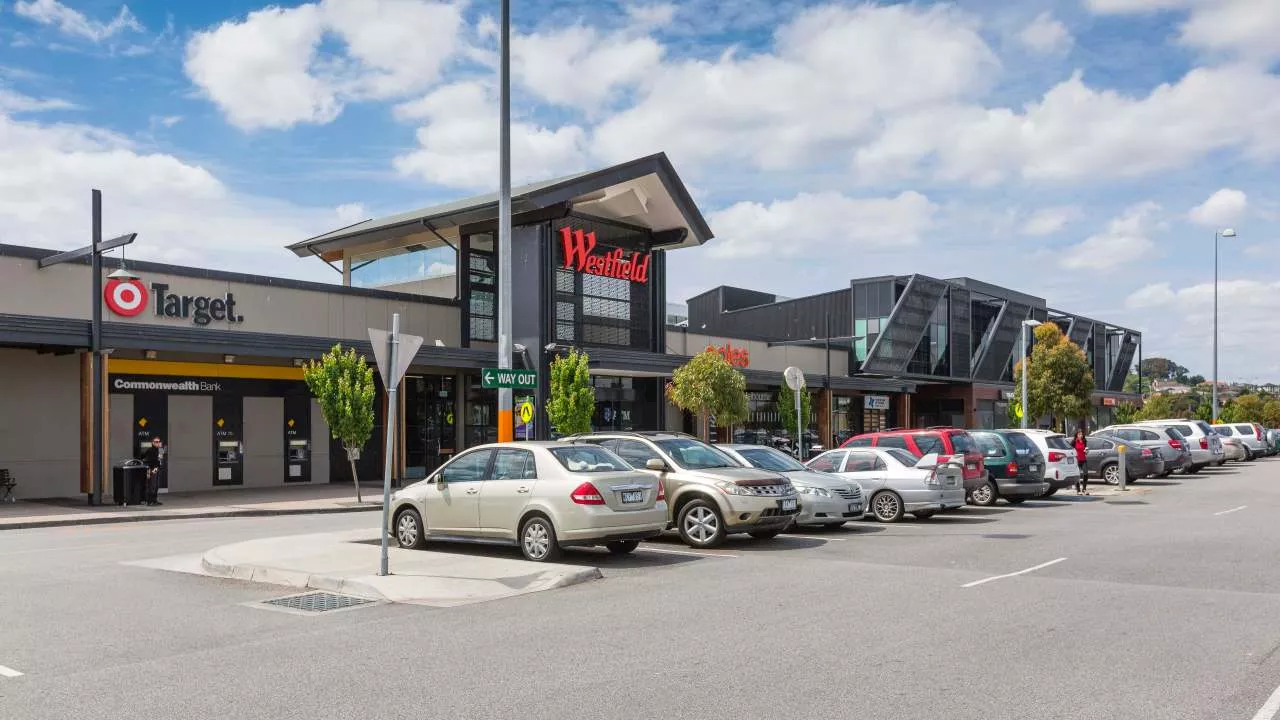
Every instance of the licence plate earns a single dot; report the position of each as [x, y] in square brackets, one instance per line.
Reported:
[633, 496]
[854, 507]
[1035, 468]
[788, 504]
[1071, 461]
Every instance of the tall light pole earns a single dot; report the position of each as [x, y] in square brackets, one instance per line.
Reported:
[1227, 233]
[506, 426]
[1026, 406]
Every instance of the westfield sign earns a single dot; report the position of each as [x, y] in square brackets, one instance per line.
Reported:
[578, 247]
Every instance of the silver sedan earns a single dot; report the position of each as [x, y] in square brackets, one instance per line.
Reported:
[896, 481]
[825, 499]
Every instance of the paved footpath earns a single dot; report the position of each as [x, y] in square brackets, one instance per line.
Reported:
[1163, 604]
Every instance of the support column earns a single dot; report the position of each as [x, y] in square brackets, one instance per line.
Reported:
[86, 424]
[904, 410]
[459, 413]
[824, 417]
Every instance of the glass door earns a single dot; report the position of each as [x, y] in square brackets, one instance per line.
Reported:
[429, 424]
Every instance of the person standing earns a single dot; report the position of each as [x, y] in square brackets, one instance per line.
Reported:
[1082, 460]
[153, 458]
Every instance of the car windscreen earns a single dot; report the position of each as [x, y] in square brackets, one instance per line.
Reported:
[770, 459]
[963, 443]
[902, 456]
[695, 455]
[1058, 442]
[589, 458]
[1022, 444]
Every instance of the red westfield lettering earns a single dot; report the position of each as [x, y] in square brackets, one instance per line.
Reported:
[737, 357]
[578, 247]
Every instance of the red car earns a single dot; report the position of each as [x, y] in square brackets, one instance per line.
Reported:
[941, 440]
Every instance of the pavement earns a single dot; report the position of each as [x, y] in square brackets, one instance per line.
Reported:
[1161, 604]
[239, 502]
[347, 562]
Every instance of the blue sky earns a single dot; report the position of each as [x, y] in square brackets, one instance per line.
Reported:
[1081, 150]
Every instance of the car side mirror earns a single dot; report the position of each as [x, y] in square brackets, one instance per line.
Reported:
[656, 465]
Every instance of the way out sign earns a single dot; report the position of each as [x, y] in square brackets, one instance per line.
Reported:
[491, 378]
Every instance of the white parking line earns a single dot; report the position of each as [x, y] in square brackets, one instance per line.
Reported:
[1041, 566]
[1269, 710]
[1224, 512]
[684, 552]
[9, 672]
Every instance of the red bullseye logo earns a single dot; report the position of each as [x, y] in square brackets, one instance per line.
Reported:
[126, 297]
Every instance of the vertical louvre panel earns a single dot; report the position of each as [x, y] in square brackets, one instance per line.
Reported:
[1003, 343]
[1125, 359]
[961, 317]
[907, 324]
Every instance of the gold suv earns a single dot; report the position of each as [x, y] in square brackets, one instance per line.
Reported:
[709, 494]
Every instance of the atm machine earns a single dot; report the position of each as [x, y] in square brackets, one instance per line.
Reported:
[150, 420]
[297, 439]
[228, 441]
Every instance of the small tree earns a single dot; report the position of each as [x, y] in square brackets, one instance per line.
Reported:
[1060, 380]
[1126, 413]
[708, 385]
[343, 384]
[572, 399]
[787, 409]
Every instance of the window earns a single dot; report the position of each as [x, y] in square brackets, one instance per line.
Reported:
[1022, 444]
[903, 457]
[1245, 429]
[989, 444]
[588, 458]
[861, 442]
[695, 455]
[1224, 430]
[1059, 442]
[962, 443]
[892, 441]
[1148, 435]
[514, 465]
[1094, 443]
[469, 467]
[483, 277]
[928, 443]
[635, 452]
[770, 459]
[1184, 430]
[863, 462]
[827, 462]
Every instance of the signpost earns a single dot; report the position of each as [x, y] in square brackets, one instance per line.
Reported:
[795, 380]
[393, 353]
[502, 378]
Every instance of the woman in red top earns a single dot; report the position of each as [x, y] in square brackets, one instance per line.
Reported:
[1082, 455]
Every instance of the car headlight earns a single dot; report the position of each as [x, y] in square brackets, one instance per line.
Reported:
[733, 488]
[809, 490]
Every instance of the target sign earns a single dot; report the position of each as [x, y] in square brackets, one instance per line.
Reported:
[126, 297]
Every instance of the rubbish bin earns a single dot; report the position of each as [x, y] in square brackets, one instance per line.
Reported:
[129, 482]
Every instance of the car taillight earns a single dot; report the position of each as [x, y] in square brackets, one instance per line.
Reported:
[1257, 431]
[1175, 444]
[932, 478]
[587, 494]
[1204, 443]
[1146, 452]
[1012, 468]
[1056, 456]
[662, 492]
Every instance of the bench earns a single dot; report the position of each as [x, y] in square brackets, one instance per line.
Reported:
[7, 484]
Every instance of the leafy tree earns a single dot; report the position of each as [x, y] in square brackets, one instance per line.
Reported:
[1059, 380]
[1246, 408]
[708, 385]
[1126, 413]
[343, 384]
[572, 399]
[787, 409]
[1271, 414]
[1194, 380]
[1163, 369]
[1158, 407]
[1131, 383]
[1204, 411]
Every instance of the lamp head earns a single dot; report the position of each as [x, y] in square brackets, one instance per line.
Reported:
[123, 275]
[1228, 233]
[1032, 323]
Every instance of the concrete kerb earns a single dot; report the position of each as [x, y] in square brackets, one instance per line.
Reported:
[107, 519]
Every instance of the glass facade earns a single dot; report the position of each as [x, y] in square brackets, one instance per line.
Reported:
[872, 303]
[933, 356]
[597, 310]
[624, 403]
[482, 305]
[429, 434]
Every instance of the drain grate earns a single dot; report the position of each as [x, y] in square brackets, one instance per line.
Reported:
[318, 602]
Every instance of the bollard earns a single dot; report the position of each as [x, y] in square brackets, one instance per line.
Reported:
[1124, 471]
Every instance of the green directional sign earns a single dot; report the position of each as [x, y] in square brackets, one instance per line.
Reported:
[516, 379]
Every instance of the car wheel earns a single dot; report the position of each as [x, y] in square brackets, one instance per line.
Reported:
[1019, 501]
[765, 534]
[622, 547]
[538, 540]
[986, 494]
[1167, 473]
[1050, 492]
[887, 506]
[1192, 469]
[925, 514]
[410, 533]
[1111, 474]
[700, 524]
[1248, 455]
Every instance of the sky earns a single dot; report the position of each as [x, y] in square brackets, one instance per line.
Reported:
[1083, 151]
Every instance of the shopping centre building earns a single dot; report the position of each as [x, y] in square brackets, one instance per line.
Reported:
[212, 361]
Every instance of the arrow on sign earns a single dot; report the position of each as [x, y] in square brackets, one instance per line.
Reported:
[488, 377]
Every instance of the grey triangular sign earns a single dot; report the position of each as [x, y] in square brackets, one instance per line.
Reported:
[409, 345]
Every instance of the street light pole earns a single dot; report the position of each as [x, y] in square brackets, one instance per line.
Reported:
[1026, 406]
[95, 350]
[1229, 233]
[506, 426]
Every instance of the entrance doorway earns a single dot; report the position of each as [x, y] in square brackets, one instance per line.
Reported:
[429, 436]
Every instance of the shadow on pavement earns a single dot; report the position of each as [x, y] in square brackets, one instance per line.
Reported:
[1156, 483]
[950, 520]
[980, 511]
[740, 543]
[859, 528]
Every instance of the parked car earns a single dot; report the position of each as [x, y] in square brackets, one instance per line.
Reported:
[1273, 439]
[542, 496]
[825, 499]
[1233, 449]
[1206, 446]
[1172, 446]
[709, 495]
[945, 441]
[896, 482]
[1060, 469]
[1142, 459]
[1015, 470]
[1249, 435]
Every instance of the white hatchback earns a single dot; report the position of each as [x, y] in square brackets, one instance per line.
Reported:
[1060, 468]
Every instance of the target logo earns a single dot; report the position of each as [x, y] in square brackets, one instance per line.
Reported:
[126, 297]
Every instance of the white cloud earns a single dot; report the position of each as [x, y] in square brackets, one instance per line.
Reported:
[1125, 240]
[15, 102]
[1224, 207]
[46, 172]
[651, 16]
[1048, 221]
[267, 71]
[458, 144]
[351, 213]
[580, 67]
[817, 224]
[1244, 28]
[1076, 132]
[1046, 35]
[74, 22]
[833, 72]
